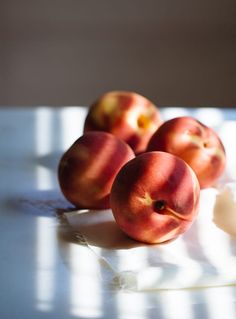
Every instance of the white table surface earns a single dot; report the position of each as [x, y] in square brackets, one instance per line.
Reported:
[42, 276]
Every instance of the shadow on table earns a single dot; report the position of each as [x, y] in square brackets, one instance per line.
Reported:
[97, 226]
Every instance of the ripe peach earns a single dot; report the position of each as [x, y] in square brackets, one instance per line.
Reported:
[88, 168]
[127, 115]
[155, 197]
[195, 143]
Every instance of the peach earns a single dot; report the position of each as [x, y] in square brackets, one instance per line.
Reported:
[88, 168]
[155, 197]
[128, 115]
[194, 142]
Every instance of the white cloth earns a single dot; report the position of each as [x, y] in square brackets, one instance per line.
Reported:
[225, 209]
[204, 256]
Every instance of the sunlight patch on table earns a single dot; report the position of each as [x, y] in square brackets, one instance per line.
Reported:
[43, 132]
[176, 305]
[72, 123]
[45, 259]
[219, 303]
[131, 306]
[85, 283]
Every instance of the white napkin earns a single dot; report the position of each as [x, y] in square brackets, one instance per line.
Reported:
[225, 209]
[204, 256]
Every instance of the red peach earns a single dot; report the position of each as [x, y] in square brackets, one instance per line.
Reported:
[155, 197]
[127, 115]
[194, 142]
[88, 168]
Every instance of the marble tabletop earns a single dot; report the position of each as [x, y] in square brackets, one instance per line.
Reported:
[43, 273]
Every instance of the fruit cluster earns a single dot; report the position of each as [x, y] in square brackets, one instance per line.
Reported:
[148, 171]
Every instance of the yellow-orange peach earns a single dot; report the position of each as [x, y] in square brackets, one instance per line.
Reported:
[88, 168]
[194, 142]
[128, 115]
[155, 197]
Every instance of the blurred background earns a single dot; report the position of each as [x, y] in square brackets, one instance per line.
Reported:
[177, 53]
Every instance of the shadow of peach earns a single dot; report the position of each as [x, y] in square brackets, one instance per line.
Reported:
[97, 227]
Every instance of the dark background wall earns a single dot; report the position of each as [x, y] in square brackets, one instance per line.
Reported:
[55, 52]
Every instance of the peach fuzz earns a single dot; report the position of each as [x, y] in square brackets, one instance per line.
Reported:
[194, 142]
[127, 115]
[155, 197]
[88, 168]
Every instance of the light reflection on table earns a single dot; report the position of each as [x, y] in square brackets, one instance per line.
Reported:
[47, 276]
